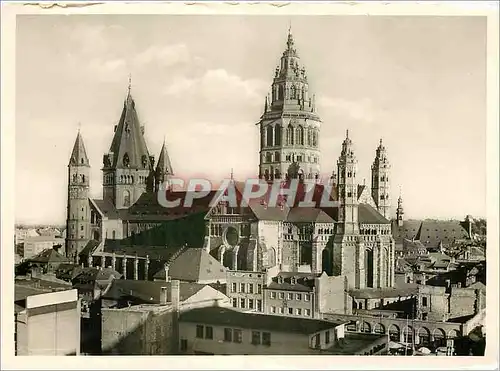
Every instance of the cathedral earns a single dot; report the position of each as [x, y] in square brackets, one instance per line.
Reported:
[128, 227]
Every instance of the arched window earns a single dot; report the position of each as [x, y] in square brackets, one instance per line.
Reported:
[309, 137]
[315, 138]
[289, 135]
[280, 92]
[293, 92]
[126, 198]
[269, 131]
[277, 135]
[300, 135]
[269, 157]
[126, 160]
[277, 156]
[114, 235]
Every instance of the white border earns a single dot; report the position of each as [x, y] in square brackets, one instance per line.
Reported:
[471, 8]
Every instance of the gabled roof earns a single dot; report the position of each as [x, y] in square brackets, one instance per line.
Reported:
[79, 155]
[107, 209]
[233, 318]
[49, 256]
[304, 282]
[161, 253]
[149, 291]
[129, 147]
[195, 265]
[368, 215]
[148, 207]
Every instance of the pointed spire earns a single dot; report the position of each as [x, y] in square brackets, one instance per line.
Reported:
[129, 83]
[266, 104]
[164, 166]
[347, 134]
[79, 154]
[129, 145]
[232, 174]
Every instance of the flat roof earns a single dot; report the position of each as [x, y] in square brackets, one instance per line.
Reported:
[386, 292]
[230, 317]
[354, 342]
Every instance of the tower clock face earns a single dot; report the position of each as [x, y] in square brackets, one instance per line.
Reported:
[232, 236]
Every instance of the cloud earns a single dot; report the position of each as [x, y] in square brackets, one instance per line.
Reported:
[166, 55]
[360, 110]
[218, 86]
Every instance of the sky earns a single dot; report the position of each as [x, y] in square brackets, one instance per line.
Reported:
[199, 83]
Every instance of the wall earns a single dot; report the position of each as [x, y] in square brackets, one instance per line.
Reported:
[269, 236]
[110, 225]
[433, 328]
[332, 294]
[281, 343]
[52, 325]
[138, 330]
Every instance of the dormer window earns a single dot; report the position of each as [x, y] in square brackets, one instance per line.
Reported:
[280, 280]
[293, 281]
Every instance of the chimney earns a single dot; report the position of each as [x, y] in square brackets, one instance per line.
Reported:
[163, 296]
[175, 287]
[166, 267]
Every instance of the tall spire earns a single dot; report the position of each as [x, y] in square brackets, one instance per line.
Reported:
[129, 83]
[128, 148]
[164, 167]
[79, 154]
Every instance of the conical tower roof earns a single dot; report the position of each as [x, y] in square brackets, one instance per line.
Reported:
[79, 154]
[164, 166]
[129, 146]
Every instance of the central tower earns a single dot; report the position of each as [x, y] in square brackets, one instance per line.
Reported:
[127, 167]
[289, 126]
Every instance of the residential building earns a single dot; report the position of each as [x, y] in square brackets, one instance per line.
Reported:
[141, 317]
[220, 331]
[246, 290]
[36, 244]
[306, 295]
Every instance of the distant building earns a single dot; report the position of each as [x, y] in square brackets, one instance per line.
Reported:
[22, 233]
[47, 323]
[226, 331]
[35, 245]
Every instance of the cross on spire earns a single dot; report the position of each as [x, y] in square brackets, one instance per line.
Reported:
[129, 82]
[79, 126]
[347, 133]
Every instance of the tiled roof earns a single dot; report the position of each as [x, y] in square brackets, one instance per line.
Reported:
[430, 232]
[161, 253]
[107, 208]
[229, 317]
[368, 215]
[49, 256]
[148, 291]
[89, 248]
[147, 207]
[303, 281]
[195, 265]
[309, 214]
